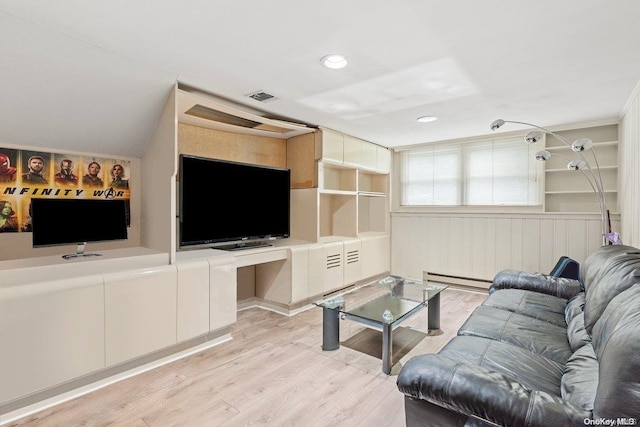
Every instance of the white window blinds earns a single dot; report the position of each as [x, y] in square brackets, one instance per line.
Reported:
[485, 173]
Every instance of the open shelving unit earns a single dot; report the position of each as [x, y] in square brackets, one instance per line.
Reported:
[569, 191]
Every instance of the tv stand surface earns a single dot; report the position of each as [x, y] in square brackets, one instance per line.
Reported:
[242, 246]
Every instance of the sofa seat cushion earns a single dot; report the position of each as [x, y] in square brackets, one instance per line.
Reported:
[536, 336]
[533, 371]
[483, 393]
[529, 303]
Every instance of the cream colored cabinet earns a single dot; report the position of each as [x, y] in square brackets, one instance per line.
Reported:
[352, 261]
[51, 332]
[360, 154]
[375, 254]
[207, 293]
[140, 312]
[316, 268]
[352, 151]
[306, 272]
[299, 256]
[223, 280]
[333, 274]
[332, 146]
[193, 299]
[345, 150]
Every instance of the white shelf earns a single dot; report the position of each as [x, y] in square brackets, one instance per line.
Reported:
[602, 168]
[339, 192]
[595, 145]
[577, 192]
[371, 194]
[568, 191]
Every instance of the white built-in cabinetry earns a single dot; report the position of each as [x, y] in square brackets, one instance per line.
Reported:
[68, 323]
[140, 312]
[51, 332]
[348, 213]
[63, 320]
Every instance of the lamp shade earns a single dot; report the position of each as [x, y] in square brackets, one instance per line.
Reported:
[497, 124]
[575, 165]
[543, 155]
[581, 144]
[533, 137]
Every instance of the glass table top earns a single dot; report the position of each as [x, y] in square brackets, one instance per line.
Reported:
[387, 301]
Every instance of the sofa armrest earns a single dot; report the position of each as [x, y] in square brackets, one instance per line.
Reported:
[537, 282]
[479, 392]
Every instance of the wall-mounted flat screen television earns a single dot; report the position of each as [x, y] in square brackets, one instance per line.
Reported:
[231, 205]
[77, 221]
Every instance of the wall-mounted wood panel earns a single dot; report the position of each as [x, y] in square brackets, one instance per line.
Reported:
[478, 246]
[216, 144]
[301, 159]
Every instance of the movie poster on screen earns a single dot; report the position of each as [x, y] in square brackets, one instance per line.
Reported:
[26, 174]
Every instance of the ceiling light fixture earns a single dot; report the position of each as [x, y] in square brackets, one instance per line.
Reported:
[427, 119]
[334, 61]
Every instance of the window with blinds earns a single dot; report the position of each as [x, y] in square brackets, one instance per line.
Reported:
[501, 172]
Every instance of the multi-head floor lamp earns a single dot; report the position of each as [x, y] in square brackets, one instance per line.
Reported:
[581, 164]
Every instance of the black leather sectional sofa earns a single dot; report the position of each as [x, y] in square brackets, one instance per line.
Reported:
[540, 351]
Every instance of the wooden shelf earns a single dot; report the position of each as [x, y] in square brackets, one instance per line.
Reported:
[371, 194]
[339, 192]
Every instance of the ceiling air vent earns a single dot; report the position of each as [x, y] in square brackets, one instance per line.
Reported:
[262, 96]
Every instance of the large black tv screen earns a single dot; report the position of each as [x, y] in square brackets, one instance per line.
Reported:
[226, 202]
[76, 221]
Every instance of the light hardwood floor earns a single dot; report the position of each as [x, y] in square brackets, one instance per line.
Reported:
[274, 373]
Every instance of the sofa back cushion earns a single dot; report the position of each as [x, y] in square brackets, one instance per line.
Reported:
[607, 272]
[617, 348]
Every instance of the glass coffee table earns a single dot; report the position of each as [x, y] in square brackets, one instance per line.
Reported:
[383, 305]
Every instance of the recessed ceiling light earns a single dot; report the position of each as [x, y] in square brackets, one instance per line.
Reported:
[427, 119]
[334, 61]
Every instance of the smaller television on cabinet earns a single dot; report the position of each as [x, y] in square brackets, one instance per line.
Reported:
[231, 205]
[77, 221]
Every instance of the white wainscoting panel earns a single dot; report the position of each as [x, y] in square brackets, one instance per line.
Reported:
[479, 245]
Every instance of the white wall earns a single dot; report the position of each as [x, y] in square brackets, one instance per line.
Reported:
[473, 244]
[629, 178]
[19, 245]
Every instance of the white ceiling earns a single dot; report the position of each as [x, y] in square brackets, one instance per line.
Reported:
[93, 76]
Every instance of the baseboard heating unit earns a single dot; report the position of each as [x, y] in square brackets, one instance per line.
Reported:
[457, 281]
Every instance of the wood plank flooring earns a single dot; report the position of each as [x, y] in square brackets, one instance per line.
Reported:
[274, 373]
